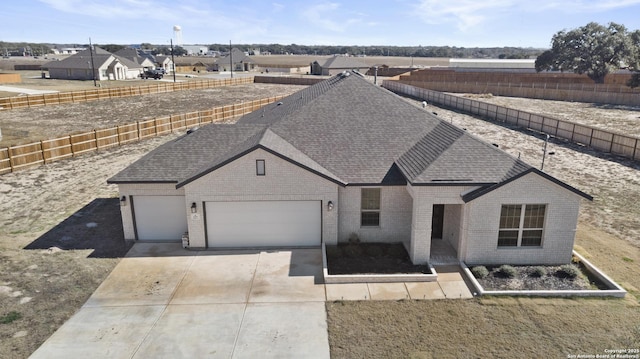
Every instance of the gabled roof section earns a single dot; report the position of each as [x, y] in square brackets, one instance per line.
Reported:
[449, 155]
[82, 60]
[486, 189]
[238, 56]
[135, 55]
[191, 154]
[267, 140]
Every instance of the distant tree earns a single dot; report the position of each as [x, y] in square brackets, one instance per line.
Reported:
[594, 50]
[112, 47]
[161, 50]
[634, 61]
[179, 51]
[146, 46]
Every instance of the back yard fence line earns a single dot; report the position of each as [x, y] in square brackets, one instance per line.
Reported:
[598, 93]
[9, 103]
[602, 140]
[47, 151]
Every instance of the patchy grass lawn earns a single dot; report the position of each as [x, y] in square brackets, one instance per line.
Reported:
[481, 328]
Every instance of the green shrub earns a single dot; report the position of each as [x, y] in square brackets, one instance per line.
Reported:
[10, 317]
[507, 271]
[568, 271]
[334, 251]
[480, 272]
[539, 272]
[353, 250]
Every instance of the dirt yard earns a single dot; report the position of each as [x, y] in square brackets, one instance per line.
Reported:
[38, 123]
[619, 118]
[64, 213]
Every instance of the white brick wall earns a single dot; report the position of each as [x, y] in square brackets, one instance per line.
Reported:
[452, 224]
[395, 215]
[424, 197]
[237, 181]
[560, 223]
[142, 189]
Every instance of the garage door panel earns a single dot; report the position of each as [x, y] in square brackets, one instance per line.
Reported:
[263, 223]
[160, 218]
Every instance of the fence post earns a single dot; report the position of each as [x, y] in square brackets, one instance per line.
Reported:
[71, 145]
[635, 149]
[10, 159]
[95, 138]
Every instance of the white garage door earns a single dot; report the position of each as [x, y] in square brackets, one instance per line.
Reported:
[263, 223]
[160, 218]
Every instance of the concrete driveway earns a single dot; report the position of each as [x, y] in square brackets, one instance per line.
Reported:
[161, 301]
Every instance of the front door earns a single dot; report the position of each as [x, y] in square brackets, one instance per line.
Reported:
[437, 221]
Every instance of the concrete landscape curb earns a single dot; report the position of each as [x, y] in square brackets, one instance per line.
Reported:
[615, 289]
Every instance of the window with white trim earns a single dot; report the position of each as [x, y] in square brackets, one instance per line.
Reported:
[370, 207]
[521, 225]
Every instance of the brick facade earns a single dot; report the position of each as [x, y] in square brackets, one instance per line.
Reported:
[395, 215]
[483, 216]
[405, 213]
[142, 189]
[283, 181]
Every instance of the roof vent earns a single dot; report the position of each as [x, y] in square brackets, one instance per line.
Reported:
[279, 104]
[192, 130]
[344, 74]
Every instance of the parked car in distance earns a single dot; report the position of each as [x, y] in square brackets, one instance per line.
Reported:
[153, 74]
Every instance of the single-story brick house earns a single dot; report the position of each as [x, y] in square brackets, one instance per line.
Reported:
[105, 66]
[345, 156]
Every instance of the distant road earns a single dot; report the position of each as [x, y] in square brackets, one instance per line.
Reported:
[25, 91]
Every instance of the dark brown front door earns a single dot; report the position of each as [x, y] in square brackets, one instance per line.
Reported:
[437, 221]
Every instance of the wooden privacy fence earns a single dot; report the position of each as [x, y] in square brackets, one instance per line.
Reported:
[599, 139]
[51, 150]
[8, 103]
[598, 93]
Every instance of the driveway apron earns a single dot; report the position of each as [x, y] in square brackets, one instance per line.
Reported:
[162, 301]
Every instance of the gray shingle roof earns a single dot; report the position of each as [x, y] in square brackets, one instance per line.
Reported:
[82, 60]
[344, 129]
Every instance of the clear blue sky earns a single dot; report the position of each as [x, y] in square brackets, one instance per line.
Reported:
[463, 23]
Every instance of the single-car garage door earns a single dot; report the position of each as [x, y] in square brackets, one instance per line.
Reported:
[263, 223]
[160, 218]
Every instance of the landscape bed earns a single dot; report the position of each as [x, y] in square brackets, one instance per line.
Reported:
[594, 277]
[372, 263]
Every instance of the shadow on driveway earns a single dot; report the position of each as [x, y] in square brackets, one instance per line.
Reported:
[96, 226]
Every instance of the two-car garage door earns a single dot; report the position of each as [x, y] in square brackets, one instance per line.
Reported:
[263, 224]
[232, 224]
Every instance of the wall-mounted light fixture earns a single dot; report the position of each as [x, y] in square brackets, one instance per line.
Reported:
[123, 201]
[330, 205]
[194, 208]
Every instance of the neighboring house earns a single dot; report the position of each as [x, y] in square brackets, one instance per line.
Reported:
[185, 64]
[106, 66]
[241, 62]
[345, 156]
[145, 60]
[338, 64]
[164, 62]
